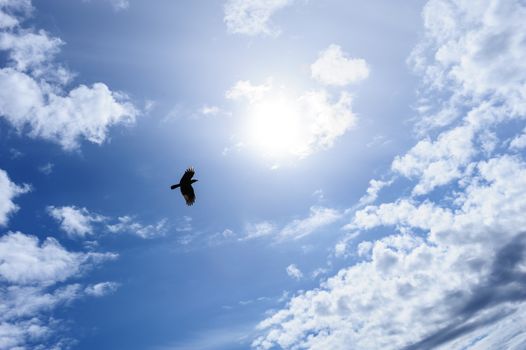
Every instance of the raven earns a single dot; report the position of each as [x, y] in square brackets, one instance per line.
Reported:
[186, 186]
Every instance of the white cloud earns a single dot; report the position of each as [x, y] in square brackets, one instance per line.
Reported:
[34, 279]
[333, 67]
[459, 252]
[364, 248]
[375, 186]
[259, 229]
[252, 17]
[436, 163]
[24, 261]
[280, 122]
[9, 9]
[245, 89]
[341, 249]
[80, 223]
[129, 225]
[478, 49]
[294, 272]
[32, 96]
[519, 142]
[8, 191]
[101, 289]
[318, 217]
[76, 222]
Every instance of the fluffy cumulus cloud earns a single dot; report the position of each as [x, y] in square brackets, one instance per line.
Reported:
[252, 17]
[33, 97]
[8, 191]
[451, 276]
[280, 122]
[333, 67]
[34, 279]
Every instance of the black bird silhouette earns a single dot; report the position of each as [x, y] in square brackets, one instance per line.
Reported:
[186, 186]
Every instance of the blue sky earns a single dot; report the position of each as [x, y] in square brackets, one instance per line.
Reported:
[361, 174]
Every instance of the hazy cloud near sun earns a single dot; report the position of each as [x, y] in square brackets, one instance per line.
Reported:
[283, 122]
[334, 67]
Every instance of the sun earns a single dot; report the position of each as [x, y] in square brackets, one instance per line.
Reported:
[274, 126]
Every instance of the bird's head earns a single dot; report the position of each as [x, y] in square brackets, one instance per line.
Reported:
[194, 180]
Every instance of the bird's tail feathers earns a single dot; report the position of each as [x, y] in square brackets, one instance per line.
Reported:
[174, 186]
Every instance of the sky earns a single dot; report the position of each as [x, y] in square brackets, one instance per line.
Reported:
[361, 174]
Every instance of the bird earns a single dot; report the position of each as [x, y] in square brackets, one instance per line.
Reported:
[185, 184]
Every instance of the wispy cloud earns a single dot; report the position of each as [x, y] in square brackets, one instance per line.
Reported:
[47, 168]
[252, 17]
[117, 5]
[128, 224]
[318, 218]
[80, 222]
[259, 229]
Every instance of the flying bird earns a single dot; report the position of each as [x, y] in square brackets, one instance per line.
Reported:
[185, 184]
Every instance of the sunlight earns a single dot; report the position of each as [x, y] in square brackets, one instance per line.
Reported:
[275, 128]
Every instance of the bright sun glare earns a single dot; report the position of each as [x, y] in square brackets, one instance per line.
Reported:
[275, 128]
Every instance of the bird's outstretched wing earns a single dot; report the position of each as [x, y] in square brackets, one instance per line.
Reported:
[188, 194]
[187, 176]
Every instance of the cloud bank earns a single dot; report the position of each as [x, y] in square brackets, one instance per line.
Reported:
[452, 274]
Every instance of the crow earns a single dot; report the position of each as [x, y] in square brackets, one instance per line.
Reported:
[186, 186]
